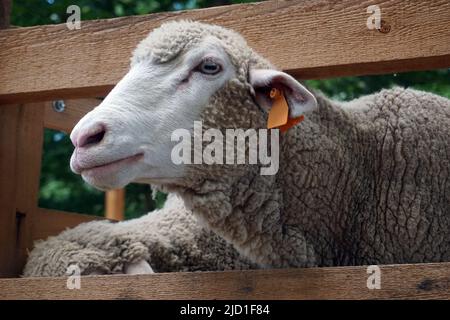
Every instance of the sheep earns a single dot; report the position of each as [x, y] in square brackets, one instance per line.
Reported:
[359, 182]
[169, 237]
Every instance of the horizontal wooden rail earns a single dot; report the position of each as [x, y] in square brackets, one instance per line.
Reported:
[51, 222]
[309, 39]
[419, 281]
[66, 118]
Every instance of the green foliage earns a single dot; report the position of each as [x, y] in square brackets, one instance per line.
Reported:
[37, 12]
[61, 189]
[437, 81]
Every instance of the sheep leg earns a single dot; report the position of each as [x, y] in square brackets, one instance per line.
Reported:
[140, 267]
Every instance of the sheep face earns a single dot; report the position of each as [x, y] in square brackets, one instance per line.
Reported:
[181, 73]
[139, 115]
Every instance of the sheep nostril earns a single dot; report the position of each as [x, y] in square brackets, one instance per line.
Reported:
[92, 139]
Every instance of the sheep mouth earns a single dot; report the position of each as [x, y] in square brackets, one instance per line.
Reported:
[110, 166]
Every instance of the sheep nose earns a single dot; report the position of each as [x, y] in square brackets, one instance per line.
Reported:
[89, 137]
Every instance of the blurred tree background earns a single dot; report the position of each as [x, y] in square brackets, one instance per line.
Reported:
[63, 190]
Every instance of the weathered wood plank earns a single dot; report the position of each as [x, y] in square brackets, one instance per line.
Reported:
[307, 38]
[9, 123]
[28, 168]
[20, 164]
[5, 12]
[52, 222]
[419, 281]
[73, 111]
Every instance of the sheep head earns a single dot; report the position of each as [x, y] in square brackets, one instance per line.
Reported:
[182, 72]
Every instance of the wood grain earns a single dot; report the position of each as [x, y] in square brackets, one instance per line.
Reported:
[9, 124]
[307, 38]
[52, 222]
[74, 110]
[20, 167]
[28, 170]
[5, 13]
[420, 281]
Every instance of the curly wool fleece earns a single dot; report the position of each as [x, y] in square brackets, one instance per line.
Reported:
[361, 182]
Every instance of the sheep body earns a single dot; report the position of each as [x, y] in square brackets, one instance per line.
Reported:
[361, 182]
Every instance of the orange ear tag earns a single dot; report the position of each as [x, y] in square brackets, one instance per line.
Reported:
[279, 113]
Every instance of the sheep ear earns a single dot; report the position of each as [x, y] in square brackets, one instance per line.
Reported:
[299, 99]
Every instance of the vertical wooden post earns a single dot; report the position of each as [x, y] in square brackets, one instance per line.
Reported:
[28, 170]
[9, 122]
[5, 11]
[115, 204]
[8, 125]
[21, 137]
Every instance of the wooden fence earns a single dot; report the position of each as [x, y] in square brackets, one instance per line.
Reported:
[309, 39]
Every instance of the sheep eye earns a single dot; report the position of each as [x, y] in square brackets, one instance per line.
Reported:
[209, 67]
